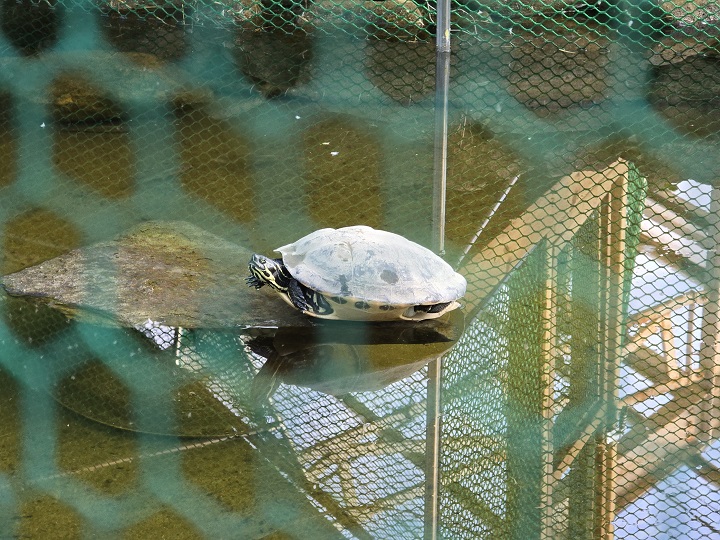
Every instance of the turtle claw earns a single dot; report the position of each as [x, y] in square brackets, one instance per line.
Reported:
[253, 281]
[302, 305]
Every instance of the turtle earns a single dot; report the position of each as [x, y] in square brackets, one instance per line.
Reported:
[362, 274]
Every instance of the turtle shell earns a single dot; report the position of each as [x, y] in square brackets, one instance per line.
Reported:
[378, 268]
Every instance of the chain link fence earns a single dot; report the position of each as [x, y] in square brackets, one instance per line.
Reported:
[568, 170]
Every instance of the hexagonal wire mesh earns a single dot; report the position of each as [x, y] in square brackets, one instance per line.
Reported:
[584, 387]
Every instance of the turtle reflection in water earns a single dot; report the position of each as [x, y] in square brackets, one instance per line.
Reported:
[362, 274]
[341, 357]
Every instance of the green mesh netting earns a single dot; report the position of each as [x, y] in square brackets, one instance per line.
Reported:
[568, 171]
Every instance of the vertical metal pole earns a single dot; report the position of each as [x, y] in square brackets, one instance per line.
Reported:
[434, 411]
[442, 82]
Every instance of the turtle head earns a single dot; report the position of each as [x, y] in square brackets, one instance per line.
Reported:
[267, 271]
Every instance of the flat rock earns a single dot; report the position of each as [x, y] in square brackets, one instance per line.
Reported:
[172, 273]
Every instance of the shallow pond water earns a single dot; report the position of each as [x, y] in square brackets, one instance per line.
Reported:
[251, 431]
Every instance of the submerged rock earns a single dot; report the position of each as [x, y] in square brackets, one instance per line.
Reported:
[171, 273]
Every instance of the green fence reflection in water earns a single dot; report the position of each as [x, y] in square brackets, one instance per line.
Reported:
[262, 121]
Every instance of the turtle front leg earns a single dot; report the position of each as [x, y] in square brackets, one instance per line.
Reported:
[297, 296]
[253, 281]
